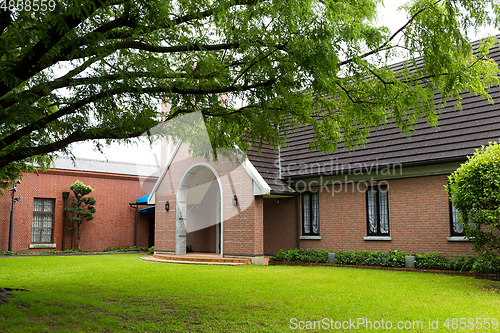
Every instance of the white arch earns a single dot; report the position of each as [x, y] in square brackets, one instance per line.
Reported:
[181, 210]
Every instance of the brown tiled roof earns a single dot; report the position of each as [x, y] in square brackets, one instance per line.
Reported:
[266, 162]
[458, 135]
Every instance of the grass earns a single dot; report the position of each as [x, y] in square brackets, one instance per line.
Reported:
[122, 293]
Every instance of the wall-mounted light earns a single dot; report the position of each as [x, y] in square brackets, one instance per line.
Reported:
[167, 206]
[235, 201]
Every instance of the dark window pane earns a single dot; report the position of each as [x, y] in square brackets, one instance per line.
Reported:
[43, 220]
[378, 210]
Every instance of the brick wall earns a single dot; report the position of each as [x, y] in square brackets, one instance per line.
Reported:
[280, 224]
[114, 223]
[243, 224]
[418, 218]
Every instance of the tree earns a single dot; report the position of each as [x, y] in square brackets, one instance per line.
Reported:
[83, 207]
[474, 190]
[96, 69]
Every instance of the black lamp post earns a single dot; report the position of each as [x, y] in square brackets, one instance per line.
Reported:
[13, 190]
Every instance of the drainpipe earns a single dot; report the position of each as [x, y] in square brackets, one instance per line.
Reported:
[65, 199]
[136, 217]
[136, 205]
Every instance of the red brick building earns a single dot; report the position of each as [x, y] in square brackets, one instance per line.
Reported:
[386, 195]
[39, 217]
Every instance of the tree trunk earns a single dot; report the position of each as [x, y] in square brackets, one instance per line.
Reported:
[78, 237]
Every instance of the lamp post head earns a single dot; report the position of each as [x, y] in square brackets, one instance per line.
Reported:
[167, 206]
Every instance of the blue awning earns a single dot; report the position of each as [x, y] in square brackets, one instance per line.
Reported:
[143, 200]
[147, 210]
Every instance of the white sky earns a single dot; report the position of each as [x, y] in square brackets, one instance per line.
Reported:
[143, 153]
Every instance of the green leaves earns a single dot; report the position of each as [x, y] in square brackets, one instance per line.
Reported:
[83, 207]
[474, 189]
[256, 70]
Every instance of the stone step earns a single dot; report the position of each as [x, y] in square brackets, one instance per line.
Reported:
[195, 262]
[202, 257]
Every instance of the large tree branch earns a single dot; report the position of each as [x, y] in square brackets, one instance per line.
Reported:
[37, 92]
[5, 19]
[65, 53]
[33, 94]
[24, 68]
[171, 49]
[22, 153]
[43, 122]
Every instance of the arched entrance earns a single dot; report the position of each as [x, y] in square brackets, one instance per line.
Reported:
[199, 213]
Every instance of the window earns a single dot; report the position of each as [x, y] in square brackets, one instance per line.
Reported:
[43, 220]
[377, 207]
[457, 228]
[310, 213]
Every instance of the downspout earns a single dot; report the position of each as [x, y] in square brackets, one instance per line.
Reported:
[136, 217]
[72, 226]
[279, 162]
[65, 200]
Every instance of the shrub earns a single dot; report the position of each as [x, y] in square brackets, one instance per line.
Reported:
[151, 249]
[301, 255]
[474, 190]
[393, 258]
[486, 264]
[431, 260]
[9, 253]
[462, 263]
[125, 249]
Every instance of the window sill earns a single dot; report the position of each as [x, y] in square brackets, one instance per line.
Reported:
[457, 239]
[310, 237]
[377, 238]
[42, 246]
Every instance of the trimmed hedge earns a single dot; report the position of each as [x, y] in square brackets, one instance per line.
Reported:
[111, 249]
[126, 249]
[301, 255]
[15, 253]
[393, 258]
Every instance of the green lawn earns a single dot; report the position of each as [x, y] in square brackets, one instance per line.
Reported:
[122, 293]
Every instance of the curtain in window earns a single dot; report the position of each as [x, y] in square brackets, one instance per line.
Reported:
[38, 205]
[384, 212]
[372, 210]
[458, 227]
[307, 211]
[43, 220]
[48, 205]
[315, 211]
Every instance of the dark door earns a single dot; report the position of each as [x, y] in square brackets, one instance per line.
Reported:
[151, 239]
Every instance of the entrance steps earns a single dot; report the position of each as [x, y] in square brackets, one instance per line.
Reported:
[199, 259]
